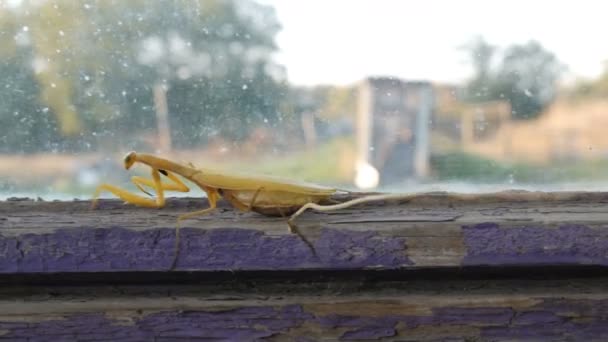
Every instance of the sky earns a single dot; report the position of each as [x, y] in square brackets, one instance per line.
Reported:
[343, 41]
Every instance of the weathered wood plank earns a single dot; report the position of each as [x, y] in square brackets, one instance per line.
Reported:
[444, 310]
[429, 230]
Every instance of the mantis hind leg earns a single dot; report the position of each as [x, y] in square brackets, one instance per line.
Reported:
[212, 197]
[251, 205]
[293, 229]
[348, 204]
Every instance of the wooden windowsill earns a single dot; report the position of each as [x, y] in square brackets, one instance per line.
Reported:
[430, 230]
[512, 266]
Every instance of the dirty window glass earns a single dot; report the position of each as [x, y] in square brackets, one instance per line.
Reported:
[385, 95]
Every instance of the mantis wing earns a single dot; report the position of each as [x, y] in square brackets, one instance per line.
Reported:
[242, 181]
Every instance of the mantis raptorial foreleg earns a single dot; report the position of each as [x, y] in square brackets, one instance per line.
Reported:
[132, 198]
[176, 185]
[139, 182]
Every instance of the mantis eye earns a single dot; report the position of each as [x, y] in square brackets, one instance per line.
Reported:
[129, 160]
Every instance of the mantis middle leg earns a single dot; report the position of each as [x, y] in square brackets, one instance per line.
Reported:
[212, 197]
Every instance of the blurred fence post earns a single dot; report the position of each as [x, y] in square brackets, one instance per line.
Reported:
[422, 144]
[162, 117]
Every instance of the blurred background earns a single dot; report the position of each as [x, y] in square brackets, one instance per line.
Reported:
[398, 96]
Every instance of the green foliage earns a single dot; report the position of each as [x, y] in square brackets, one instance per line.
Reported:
[329, 102]
[526, 76]
[319, 165]
[26, 124]
[467, 167]
[481, 54]
[460, 166]
[95, 64]
[597, 88]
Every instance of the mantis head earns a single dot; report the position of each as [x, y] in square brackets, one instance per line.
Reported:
[130, 159]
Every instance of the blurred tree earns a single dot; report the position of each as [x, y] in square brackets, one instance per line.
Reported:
[526, 76]
[96, 63]
[340, 102]
[327, 102]
[481, 54]
[27, 126]
[596, 88]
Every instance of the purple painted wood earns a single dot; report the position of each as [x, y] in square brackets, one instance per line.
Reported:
[435, 231]
[539, 320]
[534, 244]
[120, 249]
[438, 230]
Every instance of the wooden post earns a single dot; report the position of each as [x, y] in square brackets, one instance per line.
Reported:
[422, 143]
[162, 117]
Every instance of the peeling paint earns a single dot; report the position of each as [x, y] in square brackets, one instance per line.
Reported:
[552, 319]
[119, 249]
[491, 244]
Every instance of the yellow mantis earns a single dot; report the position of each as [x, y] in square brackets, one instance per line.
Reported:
[266, 195]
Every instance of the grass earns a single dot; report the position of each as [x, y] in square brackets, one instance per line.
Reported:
[332, 163]
[465, 167]
[328, 163]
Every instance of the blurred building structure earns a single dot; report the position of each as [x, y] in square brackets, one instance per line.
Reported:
[392, 131]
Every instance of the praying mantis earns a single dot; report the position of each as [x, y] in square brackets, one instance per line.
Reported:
[270, 196]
